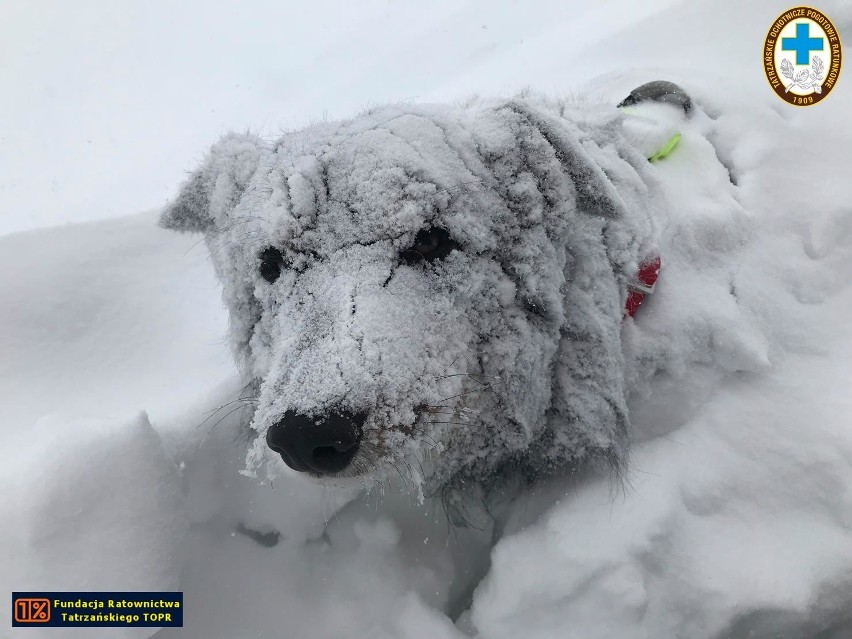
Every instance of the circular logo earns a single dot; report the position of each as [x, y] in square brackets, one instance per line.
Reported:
[802, 56]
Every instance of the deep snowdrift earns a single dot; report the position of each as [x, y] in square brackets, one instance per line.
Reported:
[735, 519]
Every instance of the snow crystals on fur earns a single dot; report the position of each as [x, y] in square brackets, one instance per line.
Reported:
[506, 352]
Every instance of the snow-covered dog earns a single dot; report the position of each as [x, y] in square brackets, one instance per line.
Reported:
[431, 290]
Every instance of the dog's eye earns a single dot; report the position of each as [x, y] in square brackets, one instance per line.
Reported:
[429, 244]
[271, 263]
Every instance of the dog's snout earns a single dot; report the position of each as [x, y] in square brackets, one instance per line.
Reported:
[322, 445]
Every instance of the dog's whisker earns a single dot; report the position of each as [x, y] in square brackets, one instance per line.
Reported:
[245, 400]
[435, 411]
[401, 476]
[433, 408]
[463, 394]
[453, 363]
[212, 413]
[221, 419]
[474, 375]
[422, 432]
[226, 227]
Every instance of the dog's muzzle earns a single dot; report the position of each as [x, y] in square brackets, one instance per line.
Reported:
[322, 445]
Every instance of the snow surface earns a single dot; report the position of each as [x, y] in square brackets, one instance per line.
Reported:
[89, 504]
[736, 518]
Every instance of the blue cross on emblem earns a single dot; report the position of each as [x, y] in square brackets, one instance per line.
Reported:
[802, 44]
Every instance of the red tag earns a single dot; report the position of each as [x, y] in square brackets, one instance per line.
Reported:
[646, 279]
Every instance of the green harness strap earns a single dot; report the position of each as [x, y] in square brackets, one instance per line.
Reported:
[667, 148]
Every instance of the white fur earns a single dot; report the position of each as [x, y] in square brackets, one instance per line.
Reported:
[513, 340]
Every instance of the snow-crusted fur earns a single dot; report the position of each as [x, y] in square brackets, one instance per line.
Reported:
[504, 355]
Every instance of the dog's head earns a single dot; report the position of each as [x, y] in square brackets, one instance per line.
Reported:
[426, 290]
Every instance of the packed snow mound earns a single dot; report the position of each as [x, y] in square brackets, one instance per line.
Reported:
[97, 312]
[733, 519]
[730, 521]
[91, 504]
[731, 525]
[743, 482]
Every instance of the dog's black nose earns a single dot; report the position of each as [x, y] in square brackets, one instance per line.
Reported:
[323, 445]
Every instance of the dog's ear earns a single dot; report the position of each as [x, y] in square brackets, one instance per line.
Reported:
[596, 195]
[213, 190]
[190, 210]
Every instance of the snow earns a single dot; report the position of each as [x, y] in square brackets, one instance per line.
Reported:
[734, 518]
[728, 525]
[91, 505]
[97, 299]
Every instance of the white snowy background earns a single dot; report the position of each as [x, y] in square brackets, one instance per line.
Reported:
[736, 517]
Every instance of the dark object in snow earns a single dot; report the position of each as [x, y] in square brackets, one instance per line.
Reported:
[320, 445]
[271, 264]
[429, 245]
[267, 539]
[659, 91]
